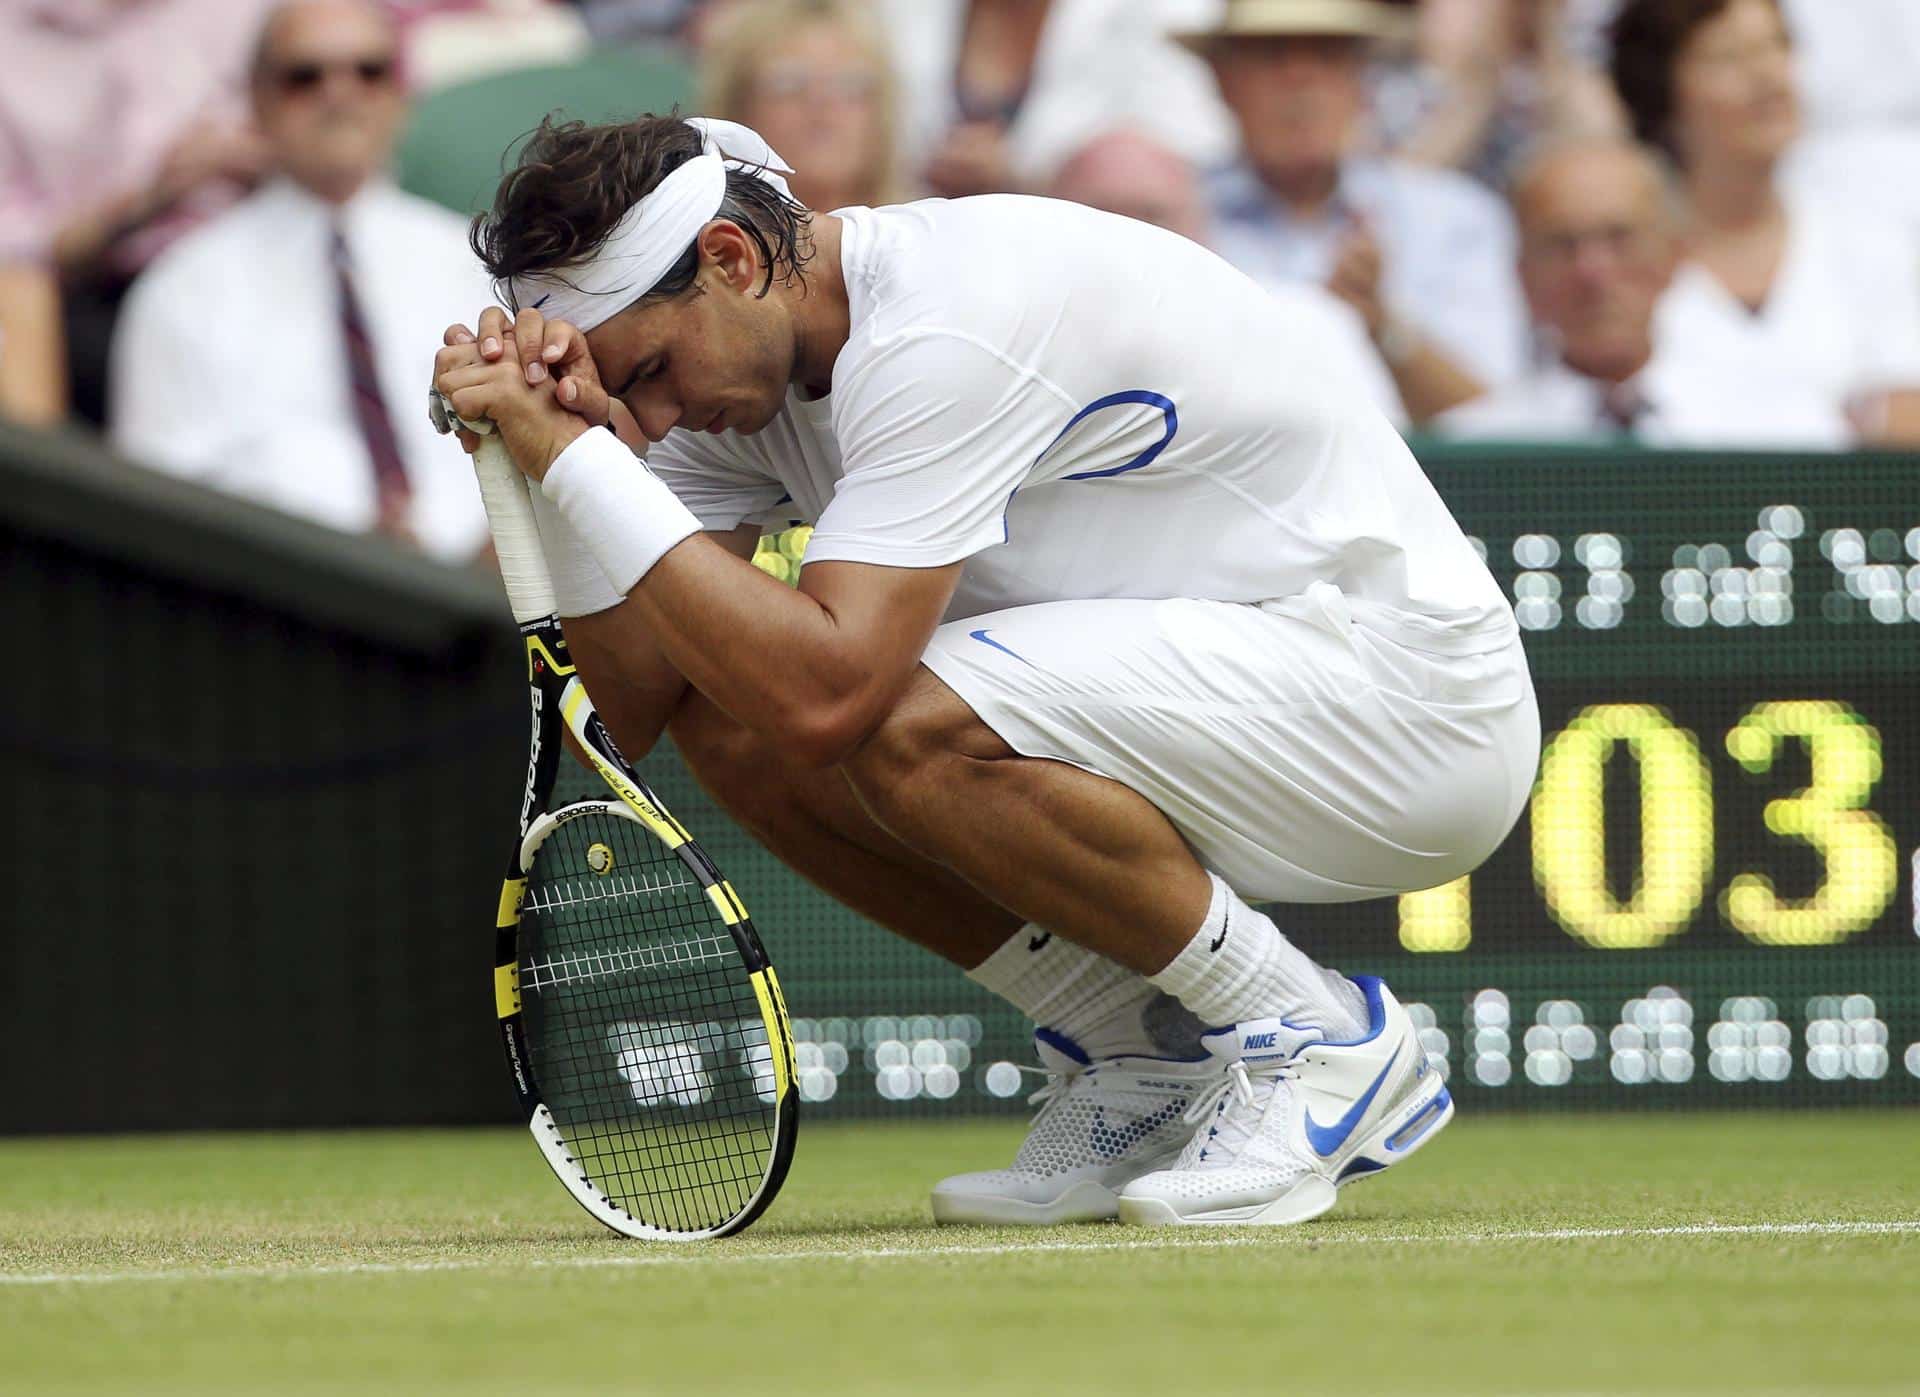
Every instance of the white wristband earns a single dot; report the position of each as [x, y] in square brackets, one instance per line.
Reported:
[579, 587]
[624, 514]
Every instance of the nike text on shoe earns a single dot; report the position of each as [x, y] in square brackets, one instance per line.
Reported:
[1100, 1124]
[1295, 1119]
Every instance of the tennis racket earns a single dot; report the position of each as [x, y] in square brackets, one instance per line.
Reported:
[643, 1024]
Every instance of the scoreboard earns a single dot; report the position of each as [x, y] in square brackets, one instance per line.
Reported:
[1712, 892]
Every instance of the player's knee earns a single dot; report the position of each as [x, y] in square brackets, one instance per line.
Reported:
[916, 755]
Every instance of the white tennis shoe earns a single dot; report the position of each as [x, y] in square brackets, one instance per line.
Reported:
[1100, 1125]
[1295, 1118]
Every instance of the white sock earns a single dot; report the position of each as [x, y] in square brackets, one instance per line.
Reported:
[1101, 1006]
[1238, 967]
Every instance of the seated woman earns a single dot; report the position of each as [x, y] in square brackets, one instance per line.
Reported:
[1815, 307]
[814, 78]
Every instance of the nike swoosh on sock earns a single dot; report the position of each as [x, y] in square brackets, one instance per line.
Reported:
[1226, 921]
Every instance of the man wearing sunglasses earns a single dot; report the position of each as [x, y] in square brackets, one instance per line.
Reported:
[328, 241]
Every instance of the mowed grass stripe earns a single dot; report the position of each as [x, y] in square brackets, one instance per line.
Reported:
[705, 1255]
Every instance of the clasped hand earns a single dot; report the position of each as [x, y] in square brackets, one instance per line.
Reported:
[533, 378]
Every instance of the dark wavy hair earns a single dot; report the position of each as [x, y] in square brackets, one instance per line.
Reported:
[574, 182]
[1648, 36]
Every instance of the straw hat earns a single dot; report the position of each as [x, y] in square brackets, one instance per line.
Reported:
[1256, 19]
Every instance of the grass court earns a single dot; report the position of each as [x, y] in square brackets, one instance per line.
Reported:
[1752, 1254]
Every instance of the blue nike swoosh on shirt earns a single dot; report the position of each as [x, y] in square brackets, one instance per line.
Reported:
[1325, 1139]
[981, 636]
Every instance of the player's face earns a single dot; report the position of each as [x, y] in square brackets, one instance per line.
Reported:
[1733, 87]
[716, 358]
[1298, 100]
[1596, 253]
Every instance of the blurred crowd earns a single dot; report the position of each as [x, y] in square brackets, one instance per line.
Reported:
[1686, 222]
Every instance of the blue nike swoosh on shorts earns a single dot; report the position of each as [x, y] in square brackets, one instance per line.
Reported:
[982, 637]
[1325, 1139]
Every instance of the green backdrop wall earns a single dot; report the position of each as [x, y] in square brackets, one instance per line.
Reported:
[257, 772]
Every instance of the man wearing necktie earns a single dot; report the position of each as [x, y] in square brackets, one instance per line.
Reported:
[274, 353]
[1598, 248]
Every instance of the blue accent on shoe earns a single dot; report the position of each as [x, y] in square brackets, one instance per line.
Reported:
[1429, 1117]
[1357, 1166]
[1370, 986]
[1325, 1139]
[1063, 1045]
[981, 636]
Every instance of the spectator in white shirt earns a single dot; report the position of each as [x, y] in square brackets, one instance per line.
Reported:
[277, 352]
[1815, 308]
[1858, 63]
[1131, 174]
[1598, 247]
[1424, 256]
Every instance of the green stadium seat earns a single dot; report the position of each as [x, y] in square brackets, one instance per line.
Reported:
[453, 149]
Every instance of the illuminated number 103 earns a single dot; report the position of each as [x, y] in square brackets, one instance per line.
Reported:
[1675, 866]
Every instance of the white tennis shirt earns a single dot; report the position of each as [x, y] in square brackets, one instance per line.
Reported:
[1080, 406]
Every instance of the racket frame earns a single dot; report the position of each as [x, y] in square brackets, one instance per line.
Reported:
[558, 703]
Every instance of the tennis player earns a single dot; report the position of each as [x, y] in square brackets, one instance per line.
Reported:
[1119, 616]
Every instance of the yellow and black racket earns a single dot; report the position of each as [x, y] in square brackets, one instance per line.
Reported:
[643, 1023]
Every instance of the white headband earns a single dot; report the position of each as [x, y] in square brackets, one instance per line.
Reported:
[654, 233]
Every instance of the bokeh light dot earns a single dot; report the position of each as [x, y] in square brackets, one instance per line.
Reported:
[1002, 1079]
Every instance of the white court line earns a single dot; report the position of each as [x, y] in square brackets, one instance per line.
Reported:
[699, 1254]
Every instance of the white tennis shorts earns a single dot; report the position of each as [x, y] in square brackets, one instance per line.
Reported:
[1305, 753]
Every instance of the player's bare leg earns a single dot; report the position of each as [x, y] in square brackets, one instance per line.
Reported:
[1086, 855]
[1091, 856]
[812, 822]
[1070, 850]
[1112, 1106]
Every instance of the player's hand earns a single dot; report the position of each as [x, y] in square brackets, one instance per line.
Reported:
[458, 337]
[533, 424]
[546, 350]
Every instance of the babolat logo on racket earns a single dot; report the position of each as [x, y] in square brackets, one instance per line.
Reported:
[533, 763]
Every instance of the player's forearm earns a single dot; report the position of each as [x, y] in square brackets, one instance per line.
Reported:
[773, 658]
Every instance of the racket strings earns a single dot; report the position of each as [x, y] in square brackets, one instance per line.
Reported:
[643, 1027]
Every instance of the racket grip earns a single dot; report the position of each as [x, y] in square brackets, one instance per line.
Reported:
[516, 535]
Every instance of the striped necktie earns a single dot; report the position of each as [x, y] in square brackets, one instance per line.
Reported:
[369, 408]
